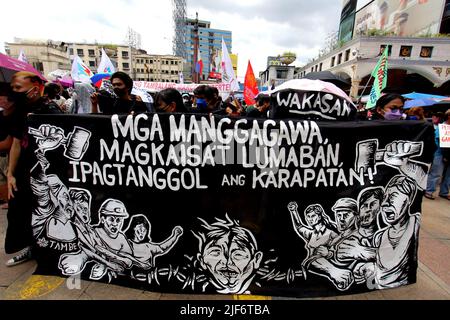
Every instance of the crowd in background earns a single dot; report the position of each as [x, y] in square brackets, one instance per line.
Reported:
[28, 94]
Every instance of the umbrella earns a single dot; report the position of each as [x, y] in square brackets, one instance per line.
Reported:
[312, 85]
[415, 96]
[98, 78]
[328, 76]
[420, 103]
[66, 82]
[9, 66]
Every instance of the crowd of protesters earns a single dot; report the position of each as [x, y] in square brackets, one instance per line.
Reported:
[28, 94]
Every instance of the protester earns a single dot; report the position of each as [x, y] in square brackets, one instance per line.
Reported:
[437, 168]
[52, 92]
[389, 107]
[126, 103]
[81, 98]
[7, 108]
[445, 184]
[260, 109]
[416, 113]
[199, 99]
[169, 100]
[26, 93]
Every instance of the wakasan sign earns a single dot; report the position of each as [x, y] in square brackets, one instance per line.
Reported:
[199, 204]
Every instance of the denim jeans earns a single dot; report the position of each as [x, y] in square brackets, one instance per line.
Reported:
[437, 168]
[445, 184]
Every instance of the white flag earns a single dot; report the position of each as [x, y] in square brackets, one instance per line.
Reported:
[181, 77]
[22, 57]
[80, 72]
[106, 66]
[228, 75]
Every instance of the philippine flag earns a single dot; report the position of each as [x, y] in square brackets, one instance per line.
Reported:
[199, 65]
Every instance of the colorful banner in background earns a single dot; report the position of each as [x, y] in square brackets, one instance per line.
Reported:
[201, 204]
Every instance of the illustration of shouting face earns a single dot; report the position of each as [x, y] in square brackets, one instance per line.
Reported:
[399, 195]
[230, 262]
[140, 233]
[229, 254]
[112, 225]
[368, 211]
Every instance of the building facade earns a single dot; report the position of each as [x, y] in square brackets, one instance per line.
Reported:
[48, 56]
[44, 56]
[91, 54]
[157, 68]
[418, 59]
[210, 44]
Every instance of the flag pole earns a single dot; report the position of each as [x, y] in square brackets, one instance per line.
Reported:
[364, 90]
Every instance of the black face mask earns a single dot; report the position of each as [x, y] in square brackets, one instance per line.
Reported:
[20, 97]
[120, 92]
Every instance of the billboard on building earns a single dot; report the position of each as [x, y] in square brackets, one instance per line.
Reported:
[215, 63]
[400, 17]
[347, 20]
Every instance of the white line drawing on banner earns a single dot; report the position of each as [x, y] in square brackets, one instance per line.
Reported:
[55, 209]
[397, 243]
[144, 250]
[396, 155]
[229, 254]
[105, 244]
[320, 235]
[50, 138]
[359, 247]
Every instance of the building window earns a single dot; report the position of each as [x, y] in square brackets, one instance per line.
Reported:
[38, 66]
[282, 74]
[126, 65]
[80, 52]
[151, 61]
[347, 55]
[321, 66]
[333, 60]
[426, 52]
[125, 54]
[405, 51]
[71, 51]
[339, 61]
[91, 63]
[383, 47]
[91, 53]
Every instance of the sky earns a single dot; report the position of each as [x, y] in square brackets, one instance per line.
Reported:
[260, 28]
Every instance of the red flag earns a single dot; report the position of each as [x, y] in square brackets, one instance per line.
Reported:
[250, 86]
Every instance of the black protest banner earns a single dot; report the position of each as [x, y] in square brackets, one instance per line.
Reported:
[202, 204]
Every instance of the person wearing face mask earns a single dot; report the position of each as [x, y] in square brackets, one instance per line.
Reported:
[199, 99]
[125, 103]
[389, 107]
[26, 93]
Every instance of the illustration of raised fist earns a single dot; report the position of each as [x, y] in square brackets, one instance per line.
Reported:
[48, 137]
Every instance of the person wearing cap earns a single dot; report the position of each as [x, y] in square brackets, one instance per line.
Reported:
[106, 244]
[345, 211]
[359, 247]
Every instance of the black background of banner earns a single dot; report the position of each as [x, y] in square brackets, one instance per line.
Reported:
[262, 211]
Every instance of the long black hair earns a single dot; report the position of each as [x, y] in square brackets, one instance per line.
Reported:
[170, 95]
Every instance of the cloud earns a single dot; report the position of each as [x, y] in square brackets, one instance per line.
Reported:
[260, 28]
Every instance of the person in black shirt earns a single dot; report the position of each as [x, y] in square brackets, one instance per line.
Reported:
[6, 109]
[126, 103]
[260, 109]
[26, 94]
